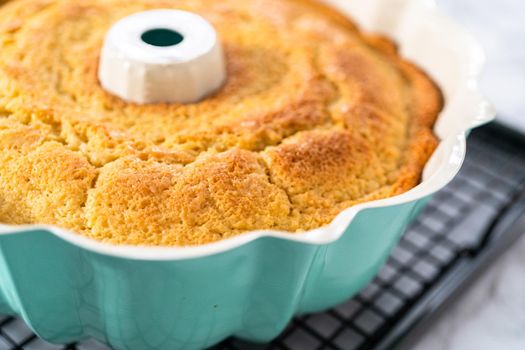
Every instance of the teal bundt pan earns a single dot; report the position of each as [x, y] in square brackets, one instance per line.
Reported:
[67, 287]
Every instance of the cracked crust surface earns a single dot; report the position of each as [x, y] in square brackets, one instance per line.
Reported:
[315, 117]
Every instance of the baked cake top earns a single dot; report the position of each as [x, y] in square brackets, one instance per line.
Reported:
[315, 117]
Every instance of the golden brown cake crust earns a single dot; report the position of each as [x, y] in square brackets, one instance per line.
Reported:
[315, 117]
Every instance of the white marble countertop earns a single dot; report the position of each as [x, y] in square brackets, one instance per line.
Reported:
[499, 25]
[491, 314]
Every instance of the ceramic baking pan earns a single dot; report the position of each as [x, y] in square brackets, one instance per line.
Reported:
[67, 287]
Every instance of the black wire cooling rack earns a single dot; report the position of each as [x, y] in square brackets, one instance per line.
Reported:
[464, 228]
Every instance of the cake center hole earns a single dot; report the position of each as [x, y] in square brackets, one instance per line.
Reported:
[162, 37]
